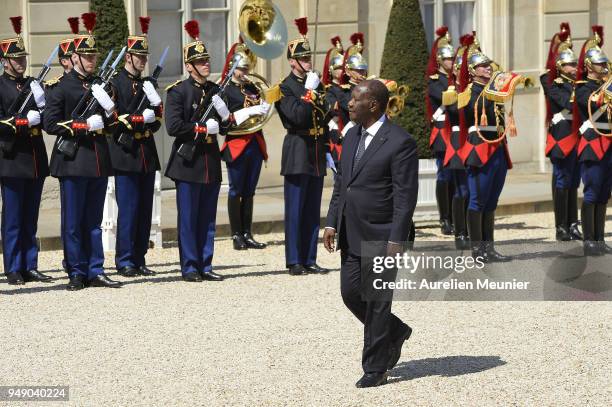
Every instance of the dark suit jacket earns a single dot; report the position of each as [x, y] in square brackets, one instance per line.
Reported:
[377, 200]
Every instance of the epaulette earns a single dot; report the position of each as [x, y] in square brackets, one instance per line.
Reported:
[435, 76]
[172, 85]
[579, 82]
[53, 82]
[449, 96]
[274, 94]
[345, 86]
[464, 97]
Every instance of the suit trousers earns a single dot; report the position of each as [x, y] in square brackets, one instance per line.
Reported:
[83, 200]
[20, 205]
[134, 192]
[380, 326]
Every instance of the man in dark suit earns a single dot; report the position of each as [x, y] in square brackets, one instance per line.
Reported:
[374, 197]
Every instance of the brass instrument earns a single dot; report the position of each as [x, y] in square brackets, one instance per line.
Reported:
[254, 123]
[397, 96]
[603, 93]
[263, 28]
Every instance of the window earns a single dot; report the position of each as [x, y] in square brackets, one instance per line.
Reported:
[167, 20]
[457, 15]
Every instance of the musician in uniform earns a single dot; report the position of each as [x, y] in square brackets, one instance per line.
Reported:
[23, 161]
[592, 116]
[134, 155]
[195, 159]
[338, 94]
[452, 160]
[304, 113]
[485, 152]
[438, 69]
[243, 153]
[561, 141]
[82, 168]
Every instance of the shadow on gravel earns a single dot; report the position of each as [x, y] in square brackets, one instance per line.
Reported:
[446, 366]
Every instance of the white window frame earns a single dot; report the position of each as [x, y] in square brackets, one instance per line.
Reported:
[439, 12]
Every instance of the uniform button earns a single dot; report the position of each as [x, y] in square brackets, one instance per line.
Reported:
[349, 189]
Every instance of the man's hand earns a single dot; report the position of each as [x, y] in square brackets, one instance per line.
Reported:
[220, 107]
[33, 118]
[152, 95]
[38, 93]
[212, 126]
[312, 81]
[329, 239]
[102, 97]
[393, 249]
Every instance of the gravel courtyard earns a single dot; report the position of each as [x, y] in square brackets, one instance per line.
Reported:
[264, 338]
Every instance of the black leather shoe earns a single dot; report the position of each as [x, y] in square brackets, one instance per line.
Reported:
[591, 248]
[396, 347]
[604, 248]
[193, 277]
[212, 276]
[35, 275]
[372, 380]
[15, 278]
[446, 227]
[563, 234]
[145, 271]
[127, 271]
[462, 242]
[493, 256]
[316, 269]
[574, 231]
[77, 282]
[252, 243]
[297, 270]
[101, 280]
[238, 242]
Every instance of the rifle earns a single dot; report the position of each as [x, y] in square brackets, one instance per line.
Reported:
[187, 149]
[25, 95]
[69, 145]
[140, 102]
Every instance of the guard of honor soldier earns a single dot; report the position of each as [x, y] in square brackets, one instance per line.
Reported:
[592, 118]
[438, 70]
[485, 152]
[338, 94]
[23, 161]
[197, 176]
[304, 113]
[243, 152]
[84, 168]
[134, 155]
[562, 140]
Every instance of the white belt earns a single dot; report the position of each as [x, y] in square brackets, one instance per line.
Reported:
[483, 128]
[456, 128]
[438, 115]
[598, 125]
[562, 115]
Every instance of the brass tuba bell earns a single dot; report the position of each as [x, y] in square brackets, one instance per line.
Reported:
[397, 95]
[263, 28]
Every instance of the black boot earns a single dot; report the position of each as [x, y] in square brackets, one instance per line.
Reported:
[247, 221]
[462, 241]
[600, 226]
[561, 220]
[572, 214]
[488, 228]
[235, 218]
[474, 224]
[443, 207]
[591, 248]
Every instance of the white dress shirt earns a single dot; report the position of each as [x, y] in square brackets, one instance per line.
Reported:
[373, 129]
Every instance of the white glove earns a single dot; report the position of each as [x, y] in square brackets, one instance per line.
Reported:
[148, 115]
[38, 93]
[33, 118]
[212, 126]
[332, 125]
[95, 122]
[347, 128]
[151, 93]
[312, 81]
[240, 116]
[262, 109]
[102, 97]
[220, 107]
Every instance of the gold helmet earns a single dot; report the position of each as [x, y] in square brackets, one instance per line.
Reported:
[247, 60]
[565, 53]
[353, 58]
[334, 59]
[475, 56]
[591, 52]
[440, 50]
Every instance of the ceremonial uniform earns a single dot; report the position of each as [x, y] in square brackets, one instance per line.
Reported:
[84, 170]
[304, 114]
[135, 160]
[243, 153]
[197, 178]
[439, 138]
[23, 168]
